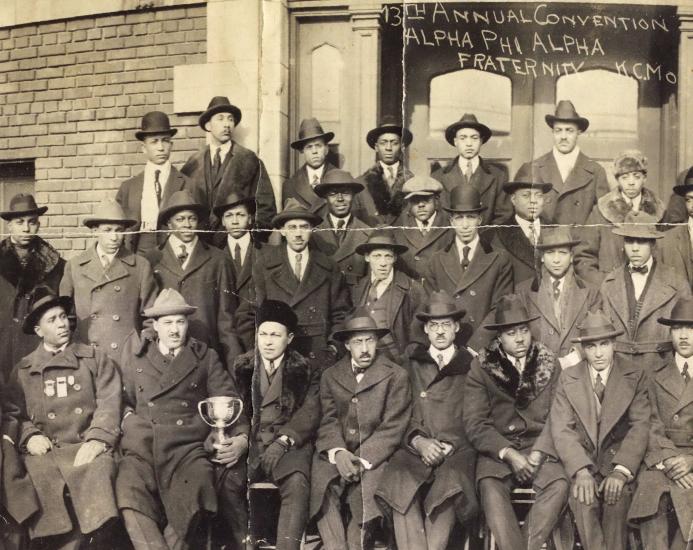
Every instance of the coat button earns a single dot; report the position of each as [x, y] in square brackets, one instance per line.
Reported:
[354, 399]
[179, 422]
[183, 403]
[51, 415]
[676, 417]
[472, 292]
[270, 429]
[352, 431]
[116, 317]
[77, 387]
[350, 268]
[94, 316]
[417, 258]
[150, 404]
[276, 406]
[94, 344]
[423, 394]
[511, 427]
[114, 345]
[138, 369]
[551, 332]
[79, 410]
[116, 288]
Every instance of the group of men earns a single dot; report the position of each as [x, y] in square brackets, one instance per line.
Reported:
[408, 349]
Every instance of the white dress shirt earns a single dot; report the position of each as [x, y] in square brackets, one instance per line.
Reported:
[462, 162]
[634, 203]
[101, 254]
[390, 167]
[276, 362]
[566, 163]
[640, 279]
[304, 259]
[525, 224]
[446, 353]
[334, 220]
[224, 149]
[149, 206]
[472, 247]
[165, 350]
[690, 230]
[176, 243]
[313, 172]
[243, 242]
[425, 226]
[382, 285]
[680, 360]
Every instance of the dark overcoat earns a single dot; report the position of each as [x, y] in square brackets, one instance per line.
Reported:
[351, 264]
[421, 247]
[675, 251]
[388, 201]
[525, 257]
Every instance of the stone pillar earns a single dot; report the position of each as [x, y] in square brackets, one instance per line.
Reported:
[685, 85]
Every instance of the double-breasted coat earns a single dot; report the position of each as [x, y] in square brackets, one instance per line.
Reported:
[108, 302]
[72, 397]
[368, 418]
[421, 247]
[388, 201]
[569, 202]
[351, 264]
[675, 251]
[525, 257]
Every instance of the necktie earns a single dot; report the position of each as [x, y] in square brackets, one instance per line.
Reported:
[642, 269]
[532, 234]
[299, 256]
[217, 161]
[157, 186]
[270, 370]
[339, 232]
[171, 354]
[440, 361]
[390, 175]
[424, 228]
[237, 258]
[468, 172]
[518, 365]
[684, 373]
[556, 289]
[316, 180]
[465, 258]
[183, 255]
[599, 387]
[373, 291]
[105, 261]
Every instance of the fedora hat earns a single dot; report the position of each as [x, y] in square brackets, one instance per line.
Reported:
[681, 313]
[337, 180]
[464, 199]
[360, 321]
[565, 112]
[381, 238]
[389, 125]
[631, 160]
[276, 311]
[219, 104]
[510, 311]
[23, 205]
[155, 123]
[234, 199]
[596, 326]
[555, 237]
[177, 202]
[43, 299]
[421, 186]
[440, 305]
[638, 225]
[509, 187]
[468, 120]
[687, 184]
[109, 211]
[310, 129]
[294, 210]
[169, 302]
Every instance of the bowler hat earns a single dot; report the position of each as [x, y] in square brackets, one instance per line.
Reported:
[389, 125]
[234, 199]
[687, 184]
[177, 202]
[219, 104]
[510, 312]
[596, 326]
[109, 211]
[681, 313]
[464, 199]
[294, 210]
[169, 302]
[360, 321]
[43, 299]
[440, 305]
[381, 238]
[155, 123]
[421, 186]
[309, 129]
[565, 112]
[509, 187]
[22, 205]
[638, 225]
[276, 311]
[556, 237]
[337, 180]
[631, 160]
[468, 120]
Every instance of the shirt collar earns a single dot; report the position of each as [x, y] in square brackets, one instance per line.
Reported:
[447, 353]
[100, 253]
[387, 279]
[569, 158]
[244, 241]
[648, 264]
[635, 203]
[334, 220]
[150, 168]
[277, 362]
[561, 281]
[165, 351]
[386, 167]
[680, 360]
[176, 244]
[472, 247]
[428, 223]
[311, 171]
[514, 360]
[224, 149]
[55, 351]
[603, 373]
[690, 226]
[524, 225]
[303, 253]
[462, 162]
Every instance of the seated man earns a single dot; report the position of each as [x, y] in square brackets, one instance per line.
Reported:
[430, 482]
[600, 425]
[170, 479]
[666, 482]
[280, 388]
[70, 395]
[365, 406]
[506, 405]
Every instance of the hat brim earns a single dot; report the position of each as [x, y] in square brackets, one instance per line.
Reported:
[365, 248]
[373, 135]
[209, 113]
[300, 143]
[154, 312]
[141, 134]
[680, 190]
[512, 186]
[451, 131]
[671, 322]
[624, 232]
[560, 244]
[35, 316]
[456, 314]
[321, 189]
[93, 222]
[342, 335]
[413, 194]
[451, 210]
[12, 214]
[501, 326]
[248, 201]
[287, 215]
[582, 122]
[166, 214]
[593, 338]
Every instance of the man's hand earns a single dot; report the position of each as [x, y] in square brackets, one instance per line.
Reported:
[611, 487]
[536, 459]
[678, 466]
[685, 482]
[38, 445]
[521, 467]
[88, 452]
[231, 451]
[272, 454]
[585, 487]
[348, 465]
[431, 450]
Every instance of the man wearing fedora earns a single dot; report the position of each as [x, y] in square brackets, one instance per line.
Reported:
[507, 398]
[600, 421]
[26, 261]
[677, 245]
[174, 474]
[200, 272]
[142, 195]
[578, 181]
[469, 268]
[109, 284]
[70, 397]
[365, 409]
[467, 135]
[280, 389]
[384, 180]
[676, 211]
[429, 482]
[224, 166]
[666, 481]
[637, 292]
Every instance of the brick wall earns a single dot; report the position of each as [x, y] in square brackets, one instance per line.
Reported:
[72, 93]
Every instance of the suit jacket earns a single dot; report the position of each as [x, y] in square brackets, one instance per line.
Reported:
[351, 264]
[526, 259]
[388, 201]
[571, 201]
[421, 247]
[675, 251]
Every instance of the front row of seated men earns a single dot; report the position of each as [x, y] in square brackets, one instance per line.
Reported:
[352, 443]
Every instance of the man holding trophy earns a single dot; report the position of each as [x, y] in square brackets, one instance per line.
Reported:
[175, 473]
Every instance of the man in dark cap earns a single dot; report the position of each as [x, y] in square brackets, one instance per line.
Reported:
[677, 245]
[26, 262]
[676, 211]
[224, 166]
[365, 409]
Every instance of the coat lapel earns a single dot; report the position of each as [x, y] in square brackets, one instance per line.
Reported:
[543, 301]
[284, 276]
[659, 292]
[669, 378]
[480, 263]
[574, 302]
[274, 391]
[91, 265]
[615, 292]
[578, 388]
[184, 363]
[200, 256]
[579, 176]
[482, 178]
[135, 197]
[618, 395]
[314, 276]
[175, 182]
[344, 375]
[518, 245]
[375, 374]
[400, 289]
[357, 234]
[450, 262]
[120, 265]
[170, 261]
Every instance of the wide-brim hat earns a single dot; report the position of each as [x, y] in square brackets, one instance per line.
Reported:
[310, 129]
[234, 199]
[421, 186]
[510, 312]
[555, 237]
[381, 238]
[276, 311]
[359, 322]
[23, 204]
[177, 202]
[464, 199]
[155, 123]
[337, 180]
[389, 125]
[638, 225]
[294, 210]
[509, 187]
[468, 120]
[109, 211]
[596, 326]
[687, 184]
[169, 302]
[565, 112]
[440, 305]
[681, 313]
[219, 104]
[43, 300]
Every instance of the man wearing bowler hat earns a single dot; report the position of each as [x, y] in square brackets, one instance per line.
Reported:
[677, 245]
[224, 166]
[429, 482]
[26, 261]
[600, 422]
[109, 284]
[676, 211]
[142, 195]
[467, 135]
[578, 181]
[365, 406]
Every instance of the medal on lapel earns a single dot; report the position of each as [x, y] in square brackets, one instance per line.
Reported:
[49, 388]
[61, 386]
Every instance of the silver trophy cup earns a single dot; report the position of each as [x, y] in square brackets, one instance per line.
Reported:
[220, 413]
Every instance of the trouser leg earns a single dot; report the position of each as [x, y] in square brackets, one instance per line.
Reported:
[654, 531]
[143, 531]
[499, 513]
[409, 527]
[545, 513]
[231, 525]
[173, 540]
[588, 522]
[614, 522]
[439, 525]
[357, 529]
[294, 492]
[330, 523]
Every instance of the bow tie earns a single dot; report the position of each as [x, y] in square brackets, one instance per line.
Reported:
[642, 269]
[359, 370]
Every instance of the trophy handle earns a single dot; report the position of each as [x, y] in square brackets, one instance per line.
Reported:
[240, 411]
[204, 414]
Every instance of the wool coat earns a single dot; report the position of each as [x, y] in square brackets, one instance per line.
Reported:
[72, 397]
[108, 302]
[351, 264]
[421, 247]
[569, 202]
[525, 257]
[675, 251]
[368, 418]
[388, 201]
